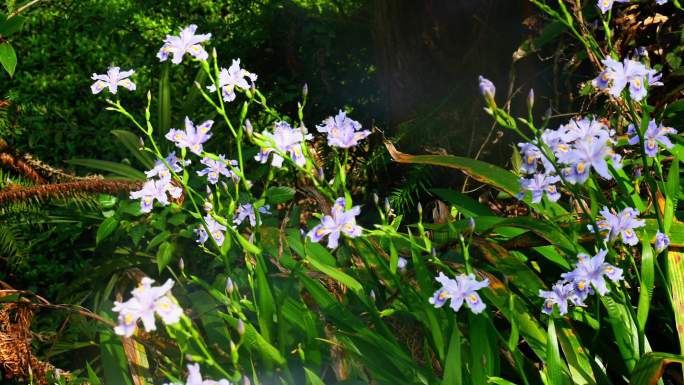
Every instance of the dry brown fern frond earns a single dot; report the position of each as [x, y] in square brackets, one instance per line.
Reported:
[67, 189]
[16, 357]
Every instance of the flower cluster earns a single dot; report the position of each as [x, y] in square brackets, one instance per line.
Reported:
[620, 225]
[285, 140]
[147, 301]
[186, 42]
[463, 288]
[338, 222]
[216, 230]
[246, 211]
[231, 78]
[192, 137]
[589, 275]
[628, 73]
[342, 131]
[156, 189]
[113, 79]
[655, 134]
[577, 147]
[195, 378]
[215, 168]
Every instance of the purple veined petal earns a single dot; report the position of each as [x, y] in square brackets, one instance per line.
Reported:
[629, 237]
[218, 236]
[537, 196]
[198, 52]
[548, 306]
[439, 298]
[552, 193]
[339, 206]
[352, 230]
[651, 147]
[618, 85]
[168, 310]
[317, 233]
[474, 302]
[127, 324]
[605, 5]
[636, 89]
[613, 273]
[456, 303]
[228, 94]
[148, 321]
[600, 285]
[665, 141]
[601, 167]
[277, 160]
[580, 173]
[333, 239]
[98, 86]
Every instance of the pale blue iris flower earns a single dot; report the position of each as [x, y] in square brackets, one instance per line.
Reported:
[462, 289]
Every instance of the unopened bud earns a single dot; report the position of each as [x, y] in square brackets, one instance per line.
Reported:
[388, 208]
[530, 99]
[420, 210]
[249, 130]
[401, 263]
[181, 264]
[487, 88]
[230, 286]
[240, 327]
[305, 90]
[434, 252]
[376, 199]
[372, 295]
[213, 52]
[149, 96]
[233, 352]
[471, 225]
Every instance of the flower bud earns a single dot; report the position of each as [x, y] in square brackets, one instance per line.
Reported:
[372, 295]
[388, 208]
[240, 327]
[233, 351]
[376, 199]
[530, 99]
[213, 52]
[149, 96]
[420, 210]
[230, 286]
[487, 88]
[661, 242]
[471, 224]
[181, 264]
[401, 263]
[249, 130]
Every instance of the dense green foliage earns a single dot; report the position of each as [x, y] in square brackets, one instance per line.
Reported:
[275, 299]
